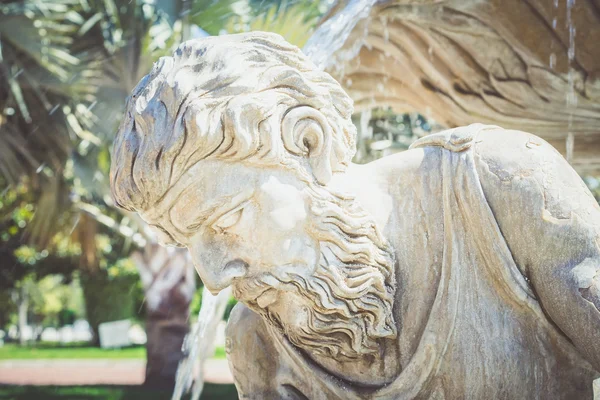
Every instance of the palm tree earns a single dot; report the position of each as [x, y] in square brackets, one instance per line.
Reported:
[169, 281]
[66, 67]
[294, 20]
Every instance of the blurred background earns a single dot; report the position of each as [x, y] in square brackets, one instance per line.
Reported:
[90, 306]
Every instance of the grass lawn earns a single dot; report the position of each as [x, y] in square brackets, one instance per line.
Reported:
[211, 392]
[220, 352]
[43, 351]
[77, 351]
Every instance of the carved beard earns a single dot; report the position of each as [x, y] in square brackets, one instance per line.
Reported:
[349, 298]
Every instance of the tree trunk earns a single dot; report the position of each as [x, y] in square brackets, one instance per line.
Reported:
[167, 275]
[85, 234]
[163, 349]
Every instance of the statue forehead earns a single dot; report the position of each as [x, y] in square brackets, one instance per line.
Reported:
[211, 184]
[205, 182]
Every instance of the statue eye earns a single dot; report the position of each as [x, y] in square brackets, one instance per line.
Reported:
[230, 219]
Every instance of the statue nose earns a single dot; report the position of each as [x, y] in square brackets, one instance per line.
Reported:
[220, 279]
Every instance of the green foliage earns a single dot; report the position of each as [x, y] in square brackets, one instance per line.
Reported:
[66, 68]
[19, 259]
[110, 298]
[212, 15]
[196, 302]
[294, 20]
[230, 304]
[220, 353]
[51, 296]
[51, 299]
[66, 316]
[41, 76]
[382, 132]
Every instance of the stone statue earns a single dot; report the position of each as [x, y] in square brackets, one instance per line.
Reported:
[465, 268]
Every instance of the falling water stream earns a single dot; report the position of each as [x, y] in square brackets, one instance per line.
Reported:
[324, 47]
[199, 345]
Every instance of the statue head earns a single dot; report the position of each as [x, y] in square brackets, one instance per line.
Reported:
[228, 148]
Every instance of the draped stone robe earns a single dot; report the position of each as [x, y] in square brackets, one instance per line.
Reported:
[471, 326]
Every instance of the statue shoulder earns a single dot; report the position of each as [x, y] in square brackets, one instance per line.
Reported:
[241, 322]
[456, 139]
[505, 151]
[244, 328]
[253, 358]
[511, 154]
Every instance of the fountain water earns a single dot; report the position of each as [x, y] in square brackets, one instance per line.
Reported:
[199, 345]
[324, 47]
[474, 61]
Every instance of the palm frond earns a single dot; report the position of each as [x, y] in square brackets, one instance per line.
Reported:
[38, 75]
[66, 68]
[295, 21]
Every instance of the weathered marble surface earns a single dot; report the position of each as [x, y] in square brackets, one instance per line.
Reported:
[467, 267]
[531, 65]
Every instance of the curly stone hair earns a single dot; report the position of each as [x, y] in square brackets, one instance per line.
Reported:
[250, 98]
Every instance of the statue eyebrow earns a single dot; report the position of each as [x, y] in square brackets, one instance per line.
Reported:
[221, 207]
[200, 219]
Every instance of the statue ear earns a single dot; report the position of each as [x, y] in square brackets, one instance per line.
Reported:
[305, 132]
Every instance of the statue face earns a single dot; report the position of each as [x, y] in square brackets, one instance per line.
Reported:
[312, 263]
[241, 222]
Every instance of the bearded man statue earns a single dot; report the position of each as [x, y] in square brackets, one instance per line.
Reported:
[465, 268]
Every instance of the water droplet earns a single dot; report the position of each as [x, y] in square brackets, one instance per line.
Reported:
[570, 145]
